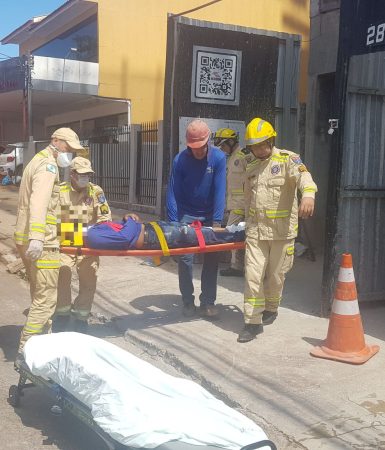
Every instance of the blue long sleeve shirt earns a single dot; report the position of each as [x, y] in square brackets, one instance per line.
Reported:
[197, 187]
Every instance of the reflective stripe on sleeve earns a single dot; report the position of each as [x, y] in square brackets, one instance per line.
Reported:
[251, 212]
[51, 220]
[38, 227]
[21, 237]
[239, 212]
[309, 189]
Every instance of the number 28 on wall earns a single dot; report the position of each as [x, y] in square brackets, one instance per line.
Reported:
[376, 34]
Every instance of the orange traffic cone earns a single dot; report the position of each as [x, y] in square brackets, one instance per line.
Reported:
[345, 340]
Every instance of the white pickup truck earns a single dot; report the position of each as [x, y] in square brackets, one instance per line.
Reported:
[11, 160]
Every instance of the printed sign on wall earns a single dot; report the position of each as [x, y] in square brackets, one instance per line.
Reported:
[214, 125]
[215, 75]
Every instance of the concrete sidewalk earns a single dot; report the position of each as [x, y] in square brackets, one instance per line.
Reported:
[300, 401]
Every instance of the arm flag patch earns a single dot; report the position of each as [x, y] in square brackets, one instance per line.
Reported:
[51, 168]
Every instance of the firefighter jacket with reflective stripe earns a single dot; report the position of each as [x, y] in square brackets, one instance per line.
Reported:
[236, 170]
[38, 201]
[80, 209]
[271, 186]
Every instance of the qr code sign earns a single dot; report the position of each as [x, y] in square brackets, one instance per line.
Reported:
[216, 77]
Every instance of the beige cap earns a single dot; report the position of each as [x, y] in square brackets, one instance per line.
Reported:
[81, 165]
[68, 135]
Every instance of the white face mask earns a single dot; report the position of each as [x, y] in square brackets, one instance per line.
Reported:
[82, 181]
[64, 159]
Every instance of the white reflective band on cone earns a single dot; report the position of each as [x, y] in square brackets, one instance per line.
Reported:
[346, 275]
[345, 307]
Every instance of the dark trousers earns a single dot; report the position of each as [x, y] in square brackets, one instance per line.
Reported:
[208, 276]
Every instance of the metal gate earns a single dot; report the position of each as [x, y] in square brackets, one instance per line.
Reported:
[146, 169]
[110, 157]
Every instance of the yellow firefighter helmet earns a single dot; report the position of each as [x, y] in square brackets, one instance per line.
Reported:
[258, 130]
[224, 134]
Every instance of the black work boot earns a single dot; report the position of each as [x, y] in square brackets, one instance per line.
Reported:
[209, 311]
[249, 332]
[231, 272]
[268, 317]
[80, 326]
[60, 323]
[189, 309]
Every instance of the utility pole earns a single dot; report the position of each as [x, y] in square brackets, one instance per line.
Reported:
[27, 98]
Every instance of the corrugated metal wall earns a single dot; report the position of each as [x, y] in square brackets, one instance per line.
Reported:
[286, 95]
[361, 217]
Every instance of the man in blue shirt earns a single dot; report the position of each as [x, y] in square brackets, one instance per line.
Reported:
[197, 191]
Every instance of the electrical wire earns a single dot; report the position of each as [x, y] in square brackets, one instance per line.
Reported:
[195, 9]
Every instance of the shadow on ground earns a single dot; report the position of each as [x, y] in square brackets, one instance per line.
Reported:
[161, 310]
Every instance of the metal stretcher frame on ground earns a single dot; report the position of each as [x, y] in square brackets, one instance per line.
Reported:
[228, 246]
[67, 402]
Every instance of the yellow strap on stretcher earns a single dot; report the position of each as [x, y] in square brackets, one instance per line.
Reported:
[162, 240]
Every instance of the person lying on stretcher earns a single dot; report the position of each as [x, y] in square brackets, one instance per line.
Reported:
[131, 233]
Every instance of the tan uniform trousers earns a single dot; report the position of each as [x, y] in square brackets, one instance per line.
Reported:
[43, 278]
[86, 267]
[266, 264]
[237, 256]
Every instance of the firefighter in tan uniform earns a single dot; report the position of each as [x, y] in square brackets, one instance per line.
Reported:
[82, 204]
[35, 234]
[227, 140]
[271, 205]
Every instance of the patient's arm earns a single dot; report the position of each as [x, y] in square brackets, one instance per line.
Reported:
[132, 216]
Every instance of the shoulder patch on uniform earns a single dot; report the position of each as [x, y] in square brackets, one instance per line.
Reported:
[51, 168]
[101, 198]
[302, 168]
[296, 159]
[275, 169]
[236, 162]
[104, 209]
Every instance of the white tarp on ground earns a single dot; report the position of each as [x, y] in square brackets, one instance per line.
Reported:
[134, 402]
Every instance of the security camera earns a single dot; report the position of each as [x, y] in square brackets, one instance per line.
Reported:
[333, 125]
